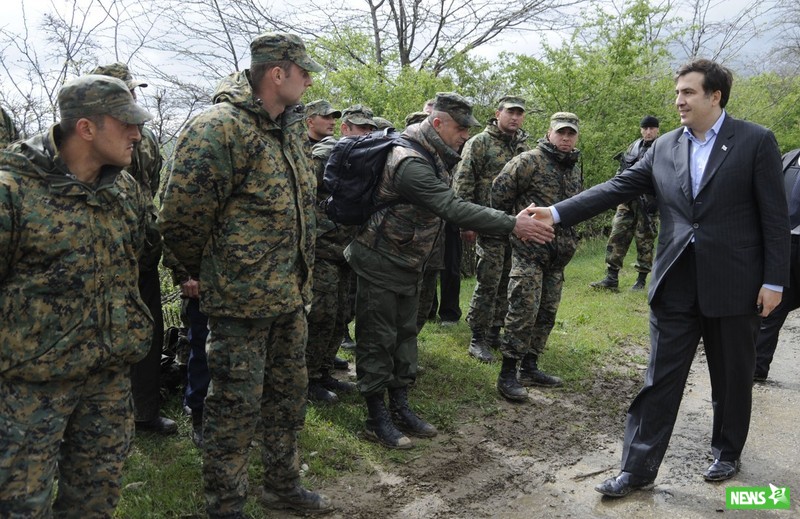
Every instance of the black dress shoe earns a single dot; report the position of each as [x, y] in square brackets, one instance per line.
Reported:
[721, 470]
[623, 484]
[158, 425]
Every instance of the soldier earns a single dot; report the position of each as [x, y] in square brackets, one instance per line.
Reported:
[320, 121]
[484, 156]
[382, 123]
[8, 132]
[72, 228]
[330, 306]
[548, 173]
[238, 214]
[146, 374]
[390, 251]
[637, 219]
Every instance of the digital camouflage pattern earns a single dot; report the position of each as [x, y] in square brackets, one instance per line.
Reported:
[73, 321]
[238, 209]
[93, 416]
[94, 94]
[8, 131]
[273, 47]
[544, 176]
[635, 220]
[120, 71]
[238, 214]
[330, 306]
[258, 385]
[69, 302]
[483, 157]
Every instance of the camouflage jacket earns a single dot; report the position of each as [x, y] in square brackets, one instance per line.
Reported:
[483, 157]
[238, 208]
[544, 176]
[69, 295]
[394, 245]
[332, 238]
[8, 132]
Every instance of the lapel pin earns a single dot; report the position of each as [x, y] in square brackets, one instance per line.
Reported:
[724, 148]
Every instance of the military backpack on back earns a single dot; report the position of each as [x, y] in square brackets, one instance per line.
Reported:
[353, 170]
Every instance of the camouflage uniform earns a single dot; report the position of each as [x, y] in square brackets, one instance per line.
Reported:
[238, 214]
[542, 176]
[390, 252]
[73, 320]
[8, 132]
[636, 219]
[330, 304]
[146, 169]
[484, 156]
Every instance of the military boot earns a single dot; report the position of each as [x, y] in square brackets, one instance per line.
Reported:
[347, 342]
[507, 384]
[478, 347]
[493, 337]
[379, 427]
[319, 394]
[404, 418]
[531, 375]
[336, 386]
[197, 428]
[611, 281]
[640, 281]
[297, 498]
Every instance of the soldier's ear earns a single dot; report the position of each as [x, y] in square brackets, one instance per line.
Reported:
[85, 129]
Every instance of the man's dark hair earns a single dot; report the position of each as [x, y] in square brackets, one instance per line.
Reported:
[68, 126]
[715, 77]
[258, 70]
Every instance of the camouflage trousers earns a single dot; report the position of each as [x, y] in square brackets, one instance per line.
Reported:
[258, 387]
[326, 321]
[489, 299]
[630, 222]
[77, 430]
[386, 338]
[533, 301]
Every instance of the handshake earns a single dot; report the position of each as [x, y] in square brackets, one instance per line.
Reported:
[535, 224]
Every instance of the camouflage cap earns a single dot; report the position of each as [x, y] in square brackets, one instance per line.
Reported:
[279, 46]
[358, 114]
[564, 120]
[119, 71]
[322, 107]
[457, 107]
[382, 123]
[416, 117]
[511, 102]
[95, 94]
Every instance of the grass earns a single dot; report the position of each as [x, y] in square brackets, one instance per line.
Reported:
[163, 475]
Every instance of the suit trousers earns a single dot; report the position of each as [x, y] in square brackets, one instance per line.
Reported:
[676, 327]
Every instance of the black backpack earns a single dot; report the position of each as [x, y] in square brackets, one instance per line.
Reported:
[353, 170]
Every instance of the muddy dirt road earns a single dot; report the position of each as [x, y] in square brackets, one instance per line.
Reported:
[543, 459]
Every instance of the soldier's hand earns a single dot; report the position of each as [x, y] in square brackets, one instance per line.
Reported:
[531, 226]
[468, 236]
[190, 289]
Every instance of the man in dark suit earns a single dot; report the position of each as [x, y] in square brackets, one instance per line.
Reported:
[723, 260]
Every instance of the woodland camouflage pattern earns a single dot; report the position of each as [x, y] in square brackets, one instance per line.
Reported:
[238, 207]
[483, 157]
[8, 132]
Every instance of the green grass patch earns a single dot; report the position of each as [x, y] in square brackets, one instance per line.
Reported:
[593, 328]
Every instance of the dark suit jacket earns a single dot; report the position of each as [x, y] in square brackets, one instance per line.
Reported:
[739, 218]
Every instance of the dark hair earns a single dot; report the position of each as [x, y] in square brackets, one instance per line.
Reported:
[259, 70]
[68, 126]
[715, 77]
